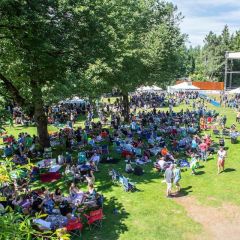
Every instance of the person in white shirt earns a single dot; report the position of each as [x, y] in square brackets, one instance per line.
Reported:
[129, 168]
[99, 138]
[95, 158]
[221, 154]
[162, 164]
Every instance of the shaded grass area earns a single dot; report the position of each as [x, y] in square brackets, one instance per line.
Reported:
[146, 213]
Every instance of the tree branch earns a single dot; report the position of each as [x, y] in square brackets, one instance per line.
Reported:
[12, 90]
[10, 26]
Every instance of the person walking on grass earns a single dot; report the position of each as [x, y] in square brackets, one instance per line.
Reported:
[177, 177]
[169, 179]
[221, 154]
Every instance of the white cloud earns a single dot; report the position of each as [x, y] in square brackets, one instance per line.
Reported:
[203, 16]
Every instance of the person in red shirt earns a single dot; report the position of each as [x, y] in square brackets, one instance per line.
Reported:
[208, 141]
[203, 150]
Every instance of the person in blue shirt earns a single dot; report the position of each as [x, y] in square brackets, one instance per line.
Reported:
[177, 177]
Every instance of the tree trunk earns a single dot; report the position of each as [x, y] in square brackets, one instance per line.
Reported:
[126, 109]
[41, 122]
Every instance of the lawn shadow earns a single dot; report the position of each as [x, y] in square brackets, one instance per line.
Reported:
[105, 183]
[183, 192]
[230, 170]
[200, 173]
[113, 222]
[105, 187]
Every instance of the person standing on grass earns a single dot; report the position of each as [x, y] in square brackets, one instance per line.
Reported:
[177, 177]
[203, 151]
[169, 179]
[221, 154]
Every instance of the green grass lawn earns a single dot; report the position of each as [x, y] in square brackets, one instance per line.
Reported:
[147, 214]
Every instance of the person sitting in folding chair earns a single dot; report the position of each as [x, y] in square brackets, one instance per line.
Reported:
[96, 159]
[129, 168]
[90, 196]
[94, 219]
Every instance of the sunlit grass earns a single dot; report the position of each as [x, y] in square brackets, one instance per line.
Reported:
[147, 214]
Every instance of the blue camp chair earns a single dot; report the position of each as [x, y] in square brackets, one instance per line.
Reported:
[138, 151]
[82, 158]
[127, 185]
[115, 175]
[183, 163]
[8, 152]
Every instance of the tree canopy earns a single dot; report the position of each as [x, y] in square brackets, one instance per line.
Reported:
[51, 50]
[206, 63]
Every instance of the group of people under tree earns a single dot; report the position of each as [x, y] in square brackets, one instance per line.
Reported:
[174, 139]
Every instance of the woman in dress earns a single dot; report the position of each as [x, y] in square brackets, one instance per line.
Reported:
[221, 159]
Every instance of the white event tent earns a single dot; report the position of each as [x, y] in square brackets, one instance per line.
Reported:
[184, 86]
[148, 89]
[74, 100]
[236, 90]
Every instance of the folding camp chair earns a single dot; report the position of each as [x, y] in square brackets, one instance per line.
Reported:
[74, 226]
[183, 163]
[216, 132]
[94, 219]
[8, 152]
[82, 158]
[120, 179]
[127, 185]
[226, 133]
[138, 151]
[125, 153]
[115, 175]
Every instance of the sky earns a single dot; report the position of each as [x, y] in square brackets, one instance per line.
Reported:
[202, 16]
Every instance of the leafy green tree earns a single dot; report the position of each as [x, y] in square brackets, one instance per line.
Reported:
[146, 49]
[54, 49]
[210, 59]
[15, 226]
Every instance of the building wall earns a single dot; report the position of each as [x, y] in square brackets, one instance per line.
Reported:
[207, 85]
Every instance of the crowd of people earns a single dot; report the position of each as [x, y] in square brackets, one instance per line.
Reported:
[173, 139]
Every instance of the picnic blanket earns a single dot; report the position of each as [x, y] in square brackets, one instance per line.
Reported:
[50, 176]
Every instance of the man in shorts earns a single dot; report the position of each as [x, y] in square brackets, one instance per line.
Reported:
[169, 179]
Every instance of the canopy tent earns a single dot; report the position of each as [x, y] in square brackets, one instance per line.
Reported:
[236, 90]
[182, 87]
[156, 88]
[74, 100]
[148, 89]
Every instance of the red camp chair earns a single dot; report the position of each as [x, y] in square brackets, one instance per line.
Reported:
[126, 153]
[94, 219]
[74, 226]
